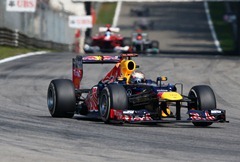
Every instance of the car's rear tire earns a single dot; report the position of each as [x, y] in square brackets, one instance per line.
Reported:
[138, 48]
[205, 100]
[61, 98]
[112, 96]
[155, 44]
[88, 40]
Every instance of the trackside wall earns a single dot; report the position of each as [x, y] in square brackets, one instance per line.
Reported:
[45, 24]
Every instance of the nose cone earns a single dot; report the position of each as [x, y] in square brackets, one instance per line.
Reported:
[173, 96]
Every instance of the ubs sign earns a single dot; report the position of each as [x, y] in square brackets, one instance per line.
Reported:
[21, 5]
[80, 22]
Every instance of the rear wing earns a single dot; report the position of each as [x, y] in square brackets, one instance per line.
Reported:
[77, 64]
[113, 29]
[104, 59]
[143, 34]
[99, 59]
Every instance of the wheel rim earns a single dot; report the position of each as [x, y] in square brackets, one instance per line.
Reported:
[50, 100]
[104, 106]
[194, 94]
[198, 107]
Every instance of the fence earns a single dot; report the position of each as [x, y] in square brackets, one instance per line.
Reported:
[16, 39]
[45, 27]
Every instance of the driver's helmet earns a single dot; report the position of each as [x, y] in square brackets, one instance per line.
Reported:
[108, 33]
[137, 77]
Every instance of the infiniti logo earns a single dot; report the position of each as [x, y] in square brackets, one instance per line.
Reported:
[129, 92]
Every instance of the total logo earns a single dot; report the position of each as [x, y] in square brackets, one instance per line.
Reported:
[21, 5]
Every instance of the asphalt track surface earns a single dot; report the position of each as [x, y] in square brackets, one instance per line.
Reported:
[179, 27]
[28, 133]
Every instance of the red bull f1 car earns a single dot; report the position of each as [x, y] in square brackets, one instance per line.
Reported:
[107, 40]
[115, 99]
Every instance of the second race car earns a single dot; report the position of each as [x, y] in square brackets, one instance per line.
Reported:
[141, 44]
[107, 40]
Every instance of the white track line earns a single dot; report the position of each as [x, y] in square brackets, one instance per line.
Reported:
[216, 42]
[117, 13]
[152, 0]
[22, 56]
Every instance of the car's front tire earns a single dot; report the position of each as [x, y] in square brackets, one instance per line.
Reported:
[112, 97]
[155, 44]
[61, 98]
[205, 100]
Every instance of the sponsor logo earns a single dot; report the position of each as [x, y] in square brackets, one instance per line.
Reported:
[129, 92]
[21, 5]
[129, 112]
[216, 112]
[77, 73]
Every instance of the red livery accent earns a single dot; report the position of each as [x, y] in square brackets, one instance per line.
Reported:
[208, 116]
[131, 118]
[91, 100]
[116, 114]
[160, 94]
[201, 116]
[77, 77]
[112, 75]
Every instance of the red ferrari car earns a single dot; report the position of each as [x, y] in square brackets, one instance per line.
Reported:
[107, 40]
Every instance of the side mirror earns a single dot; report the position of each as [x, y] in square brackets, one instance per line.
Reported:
[160, 79]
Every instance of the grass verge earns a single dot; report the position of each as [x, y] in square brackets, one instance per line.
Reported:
[222, 28]
[6, 51]
[12, 51]
[106, 13]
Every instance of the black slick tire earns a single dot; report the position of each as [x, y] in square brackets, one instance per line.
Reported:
[61, 98]
[155, 44]
[204, 100]
[112, 96]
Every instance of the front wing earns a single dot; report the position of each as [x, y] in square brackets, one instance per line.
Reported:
[143, 116]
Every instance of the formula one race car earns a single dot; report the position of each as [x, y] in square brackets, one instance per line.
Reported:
[140, 11]
[143, 24]
[141, 44]
[107, 40]
[121, 98]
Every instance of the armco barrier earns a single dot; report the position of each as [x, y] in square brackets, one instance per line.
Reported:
[47, 23]
[15, 38]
